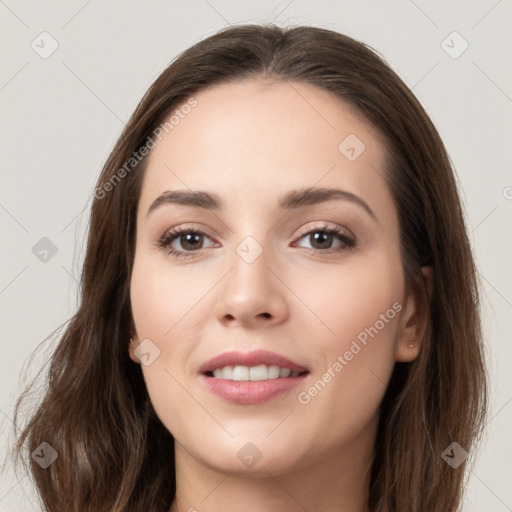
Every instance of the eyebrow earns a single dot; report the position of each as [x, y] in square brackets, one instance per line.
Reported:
[290, 201]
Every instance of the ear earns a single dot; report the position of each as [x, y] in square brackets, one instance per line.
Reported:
[415, 317]
[134, 343]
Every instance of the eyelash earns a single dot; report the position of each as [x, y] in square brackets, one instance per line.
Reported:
[166, 240]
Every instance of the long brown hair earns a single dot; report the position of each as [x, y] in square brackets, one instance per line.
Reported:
[113, 452]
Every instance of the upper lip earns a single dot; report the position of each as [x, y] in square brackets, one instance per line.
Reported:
[255, 358]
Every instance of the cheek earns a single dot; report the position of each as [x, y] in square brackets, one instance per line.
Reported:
[163, 300]
[169, 307]
[361, 308]
[158, 303]
[351, 298]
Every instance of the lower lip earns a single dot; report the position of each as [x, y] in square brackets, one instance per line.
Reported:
[251, 392]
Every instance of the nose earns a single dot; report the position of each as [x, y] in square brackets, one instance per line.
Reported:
[252, 294]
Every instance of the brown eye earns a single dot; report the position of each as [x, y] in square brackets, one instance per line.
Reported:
[323, 239]
[181, 242]
[191, 241]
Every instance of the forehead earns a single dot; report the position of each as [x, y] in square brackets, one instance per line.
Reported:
[261, 138]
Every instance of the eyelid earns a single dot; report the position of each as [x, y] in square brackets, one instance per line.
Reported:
[175, 232]
[304, 230]
[172, 234]
[185, 228]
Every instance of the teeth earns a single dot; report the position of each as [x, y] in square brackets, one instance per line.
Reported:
[227, 372]
[258, 372]
[253, 373]
[240, 373]
[284, 372]
[273, 372]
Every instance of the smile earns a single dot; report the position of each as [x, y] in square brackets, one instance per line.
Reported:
[251, 377]
[253, 373]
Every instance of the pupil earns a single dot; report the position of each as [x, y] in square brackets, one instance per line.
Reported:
[188, 239]
[322, 237]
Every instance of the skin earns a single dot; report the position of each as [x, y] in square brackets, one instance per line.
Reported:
[251, 142]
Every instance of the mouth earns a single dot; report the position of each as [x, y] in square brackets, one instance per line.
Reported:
[251, 378]
[253, 373]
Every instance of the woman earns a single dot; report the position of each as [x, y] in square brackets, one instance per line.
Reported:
[279, 308]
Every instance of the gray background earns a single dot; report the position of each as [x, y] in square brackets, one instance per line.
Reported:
[62, 114]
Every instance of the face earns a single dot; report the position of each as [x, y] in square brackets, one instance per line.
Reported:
[315, 279]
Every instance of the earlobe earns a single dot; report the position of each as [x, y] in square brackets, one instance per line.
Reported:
[415, 318]
[134, 342]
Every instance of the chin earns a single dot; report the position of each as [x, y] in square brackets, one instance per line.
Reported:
[242, 456]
